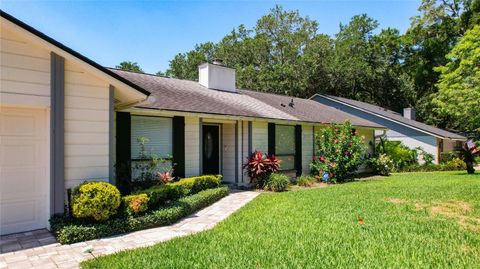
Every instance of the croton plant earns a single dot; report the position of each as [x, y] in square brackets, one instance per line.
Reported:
[259, 166]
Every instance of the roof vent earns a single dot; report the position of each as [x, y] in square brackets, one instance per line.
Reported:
[291, 104]
[409, 113]
[217, 76]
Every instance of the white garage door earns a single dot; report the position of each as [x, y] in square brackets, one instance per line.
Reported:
[24, 178]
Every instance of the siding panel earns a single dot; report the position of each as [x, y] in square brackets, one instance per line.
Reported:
[307, 148]
[228, 152]
[192, 146]
[86, 127]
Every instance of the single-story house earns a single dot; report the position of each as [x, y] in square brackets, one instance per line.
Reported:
[65, 119]
[400, 127]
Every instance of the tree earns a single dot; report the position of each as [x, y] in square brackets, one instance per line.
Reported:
[129, 66]
[458, 98]
[430, 37]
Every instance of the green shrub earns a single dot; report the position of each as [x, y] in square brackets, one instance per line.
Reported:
[97, 200]
[453, 165]
[161, 194]
[70, 230]
[135, 203]
[381, 165]
[195, 184]
[450, 155]
[305, 181]
[276, 182]
[339, 152]
[401, 155]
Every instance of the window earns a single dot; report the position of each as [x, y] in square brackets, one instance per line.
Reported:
[285, 146]
[159, 132]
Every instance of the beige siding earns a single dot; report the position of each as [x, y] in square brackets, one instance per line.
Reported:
[449, 145]
[369, 138]
[192, 146]
[86, 127]
[244, 152]
[307, 148]
[228, 152]
[260, 136]
[24, 71]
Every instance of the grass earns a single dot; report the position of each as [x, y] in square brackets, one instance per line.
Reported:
[409, 220]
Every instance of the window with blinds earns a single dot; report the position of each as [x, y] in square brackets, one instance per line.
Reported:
[158, 130]
[285, 146]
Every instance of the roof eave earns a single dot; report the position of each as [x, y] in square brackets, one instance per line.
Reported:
[238, 117]
[65, 51]
[390, 119]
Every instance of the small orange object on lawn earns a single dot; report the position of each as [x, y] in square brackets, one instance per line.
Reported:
[361, 221]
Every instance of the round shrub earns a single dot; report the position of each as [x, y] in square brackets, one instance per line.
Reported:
[135, 203]
[276, 182]
[97, 200]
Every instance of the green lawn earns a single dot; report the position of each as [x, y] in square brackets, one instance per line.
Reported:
[411, 220]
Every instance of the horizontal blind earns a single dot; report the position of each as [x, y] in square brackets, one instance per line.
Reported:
[159, 132]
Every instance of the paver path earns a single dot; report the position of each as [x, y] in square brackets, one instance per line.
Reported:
[69, 256]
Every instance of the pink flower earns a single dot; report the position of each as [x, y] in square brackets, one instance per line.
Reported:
[333, 164]
[330, 175]
[349, 143]
[336, 141]
[337, 151]
[346, 152]
[322, 158]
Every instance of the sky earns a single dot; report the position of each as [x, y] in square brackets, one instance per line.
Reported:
[151, 33]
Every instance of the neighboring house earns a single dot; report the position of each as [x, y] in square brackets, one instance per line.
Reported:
[402, 128]
[65, 119]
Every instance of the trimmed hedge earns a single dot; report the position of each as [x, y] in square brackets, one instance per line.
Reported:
[160, 195]
[70, 230]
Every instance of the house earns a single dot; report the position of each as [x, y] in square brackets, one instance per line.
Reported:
[65, 119]
[402, 128]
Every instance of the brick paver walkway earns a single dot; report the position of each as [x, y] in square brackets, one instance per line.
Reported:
[36, 254]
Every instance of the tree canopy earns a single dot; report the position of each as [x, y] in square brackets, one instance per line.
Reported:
[129, 66]
[285, 54]
[458, 98]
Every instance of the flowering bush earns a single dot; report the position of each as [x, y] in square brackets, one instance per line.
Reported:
[339, 152]
[381, 164]
[259, 166]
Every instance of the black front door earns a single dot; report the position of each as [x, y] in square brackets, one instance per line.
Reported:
[211, 149]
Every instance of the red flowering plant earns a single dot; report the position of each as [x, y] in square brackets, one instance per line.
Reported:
[339, 152]
[259, 166]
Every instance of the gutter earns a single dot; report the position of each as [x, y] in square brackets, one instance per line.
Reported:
[165, 112]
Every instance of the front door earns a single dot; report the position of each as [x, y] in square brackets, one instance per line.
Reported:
[211, 149]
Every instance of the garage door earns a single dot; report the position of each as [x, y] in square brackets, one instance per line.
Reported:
[24, 179]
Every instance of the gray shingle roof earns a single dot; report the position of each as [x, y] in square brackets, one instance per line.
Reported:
[394, 116]
[189, 96]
